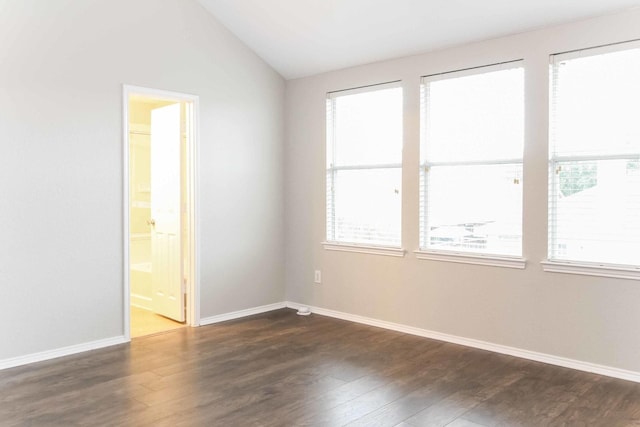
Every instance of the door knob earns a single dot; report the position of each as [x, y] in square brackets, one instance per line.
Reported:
[151, 222]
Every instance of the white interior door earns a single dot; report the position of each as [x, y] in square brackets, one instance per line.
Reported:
[166, 241]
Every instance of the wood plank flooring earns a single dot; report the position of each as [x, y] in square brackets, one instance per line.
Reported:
[280, 369]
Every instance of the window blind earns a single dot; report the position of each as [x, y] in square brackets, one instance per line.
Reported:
[472, 138]
[594, 158]
[364, 165]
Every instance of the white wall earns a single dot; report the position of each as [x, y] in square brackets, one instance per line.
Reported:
[62, 67]
[589, 319]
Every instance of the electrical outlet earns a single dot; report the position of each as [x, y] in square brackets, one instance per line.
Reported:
[317, 278]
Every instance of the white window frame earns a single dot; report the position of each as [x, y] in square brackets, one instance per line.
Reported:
[561, 265]
[332, 169]
[464, 257]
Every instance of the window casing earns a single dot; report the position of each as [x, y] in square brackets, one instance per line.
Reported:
[472, 139]
[364, 166]
[594, 157]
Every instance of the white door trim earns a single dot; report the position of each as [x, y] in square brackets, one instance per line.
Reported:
[193, 185]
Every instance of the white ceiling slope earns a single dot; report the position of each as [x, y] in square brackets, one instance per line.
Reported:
[304, 37]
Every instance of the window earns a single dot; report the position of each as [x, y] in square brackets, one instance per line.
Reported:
[594, 161]
[364, 166]
[471, 162]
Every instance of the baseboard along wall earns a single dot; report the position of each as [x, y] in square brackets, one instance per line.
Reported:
[469, 342]
[241, 313]
[60, 352]
[94, 345]
[483, 345]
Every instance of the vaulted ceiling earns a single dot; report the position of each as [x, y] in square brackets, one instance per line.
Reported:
[305, 37]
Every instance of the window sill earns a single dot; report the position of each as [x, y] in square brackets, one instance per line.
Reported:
[591, 269]
[364, 249]
[472, 258]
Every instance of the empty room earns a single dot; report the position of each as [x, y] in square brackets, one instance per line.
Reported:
[319, 213]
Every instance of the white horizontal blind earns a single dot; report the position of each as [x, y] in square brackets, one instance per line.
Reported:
[364, 165]
[472, 139]
[594, 161]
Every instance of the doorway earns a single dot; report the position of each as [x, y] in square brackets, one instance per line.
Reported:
[161, 276]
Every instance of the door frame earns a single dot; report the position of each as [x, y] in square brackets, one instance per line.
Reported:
[193, 206]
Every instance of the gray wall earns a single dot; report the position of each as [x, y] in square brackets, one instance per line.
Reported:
[62, 66]
[584, 318]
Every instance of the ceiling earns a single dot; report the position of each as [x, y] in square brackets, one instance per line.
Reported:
[304, 37]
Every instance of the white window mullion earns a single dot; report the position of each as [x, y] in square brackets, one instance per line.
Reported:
[473, 163]
[331, 208]
[552, 207]
[367, 167]
[331, 176]
[583, 158]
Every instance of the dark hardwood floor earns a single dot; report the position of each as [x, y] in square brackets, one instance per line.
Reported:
[280, 369]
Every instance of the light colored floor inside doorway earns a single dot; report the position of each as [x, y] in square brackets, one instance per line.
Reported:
[145, 322]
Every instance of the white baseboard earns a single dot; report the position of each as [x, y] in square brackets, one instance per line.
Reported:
[497, 348]
[469, 342]
[241, 313]
[94, 345]
[140, 301]
[59, 352]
